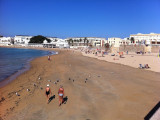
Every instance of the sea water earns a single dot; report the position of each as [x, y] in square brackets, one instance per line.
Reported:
[13, 60]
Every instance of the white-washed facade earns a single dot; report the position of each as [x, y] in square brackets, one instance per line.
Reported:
[148, 39]
[59, 43]
[6, 41]
[94, 41]
[53, 39]
[22, 40]
[62, 43]
[126, 41]
[115, 42]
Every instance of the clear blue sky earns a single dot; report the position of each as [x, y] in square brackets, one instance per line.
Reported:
[79, 18]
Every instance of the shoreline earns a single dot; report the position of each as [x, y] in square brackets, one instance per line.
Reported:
[17, 83]
[24, 68]
[111, 90]
[17, 73]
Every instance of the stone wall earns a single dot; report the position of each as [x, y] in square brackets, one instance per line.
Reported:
[155, 49]
[137, 48]
[132, 48]
[114, 49]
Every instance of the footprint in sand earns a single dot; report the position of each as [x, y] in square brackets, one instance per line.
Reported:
[2, 99]
[10, 94]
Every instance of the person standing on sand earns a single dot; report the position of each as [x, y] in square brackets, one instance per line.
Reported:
[48, 92]
[61, 94]
[49, 58]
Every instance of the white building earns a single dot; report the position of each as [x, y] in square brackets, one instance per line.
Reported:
[6, 41]
[148, 39]
[97, 42]
[22, 40]
[115, 42]
[126, 41]
[59, 43]
[53, 39]
[94, 41]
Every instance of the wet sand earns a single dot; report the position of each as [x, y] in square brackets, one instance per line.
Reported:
[111, 92]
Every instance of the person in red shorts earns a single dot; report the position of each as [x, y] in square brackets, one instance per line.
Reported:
[61, 94]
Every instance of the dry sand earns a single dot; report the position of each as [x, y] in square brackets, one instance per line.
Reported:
[132, 59]
[112, 91]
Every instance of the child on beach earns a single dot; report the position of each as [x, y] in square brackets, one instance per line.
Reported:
[48, 93]
[61, 94]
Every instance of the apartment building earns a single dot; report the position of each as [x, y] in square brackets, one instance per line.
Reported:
[6, 41]
[84, 41]
[147, 39]
[115, 42]
[22, 40]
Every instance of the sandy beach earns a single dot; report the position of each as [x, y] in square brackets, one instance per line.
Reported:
[111, 92]
[131, 59]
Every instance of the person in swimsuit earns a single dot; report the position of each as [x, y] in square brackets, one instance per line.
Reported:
[61, 94]
[49, 58]
[48, 92]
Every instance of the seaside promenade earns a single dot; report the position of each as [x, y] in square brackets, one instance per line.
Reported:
[111, 91]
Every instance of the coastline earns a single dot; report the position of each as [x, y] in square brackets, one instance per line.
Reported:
[17, 82]
[111, 90]
[13, 76]
[24, 68]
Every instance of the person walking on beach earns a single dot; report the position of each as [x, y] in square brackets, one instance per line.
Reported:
[61, 94]
[49, 58]
[48, 92]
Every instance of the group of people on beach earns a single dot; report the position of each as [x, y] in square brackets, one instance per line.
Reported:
[48, 94]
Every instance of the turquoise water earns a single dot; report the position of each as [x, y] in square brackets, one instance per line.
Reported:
[14, 59]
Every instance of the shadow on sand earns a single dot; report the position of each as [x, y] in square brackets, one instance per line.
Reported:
[152, 112]
[51, 98]
[65, 99]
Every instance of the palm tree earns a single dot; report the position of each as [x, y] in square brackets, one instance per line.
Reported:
[132, 39]
[106, 46]
[80, 40]
[72, 42]
[69, 41]
[85, 41]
